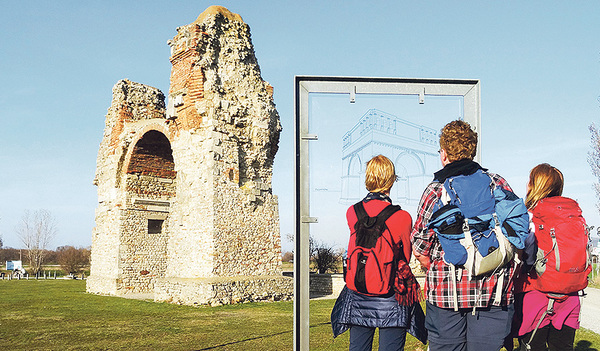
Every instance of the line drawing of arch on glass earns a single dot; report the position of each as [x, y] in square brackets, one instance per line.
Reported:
[350, 134]
[410, 146]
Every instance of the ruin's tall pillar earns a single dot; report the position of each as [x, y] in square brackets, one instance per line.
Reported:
[224, 223]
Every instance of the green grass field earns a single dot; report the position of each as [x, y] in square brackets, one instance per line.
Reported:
[59, 315]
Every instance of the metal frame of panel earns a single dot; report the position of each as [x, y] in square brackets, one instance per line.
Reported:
[304, 85]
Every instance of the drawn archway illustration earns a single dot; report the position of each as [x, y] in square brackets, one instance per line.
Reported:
[410, 146]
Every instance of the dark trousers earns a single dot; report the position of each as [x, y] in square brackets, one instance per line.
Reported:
[460, 330]
[556, 339]
[390, 339]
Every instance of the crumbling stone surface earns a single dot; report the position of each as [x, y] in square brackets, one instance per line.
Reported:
[216, 75]
[184, 191]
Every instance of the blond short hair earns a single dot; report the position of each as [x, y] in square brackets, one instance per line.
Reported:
[380, 174]
[459, 141]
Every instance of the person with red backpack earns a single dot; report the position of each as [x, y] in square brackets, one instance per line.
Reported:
[381, 290]
[548, 291]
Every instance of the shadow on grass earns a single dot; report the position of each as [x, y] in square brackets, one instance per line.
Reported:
[584, 345]
[270, 335]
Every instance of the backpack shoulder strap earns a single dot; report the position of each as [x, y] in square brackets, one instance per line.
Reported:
[444, 196]
[387, 212]
[493, 184]
[359, 209]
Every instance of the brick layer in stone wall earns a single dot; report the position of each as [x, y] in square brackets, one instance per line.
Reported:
[152, 155]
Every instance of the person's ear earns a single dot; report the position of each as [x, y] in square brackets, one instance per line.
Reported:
[444, 157]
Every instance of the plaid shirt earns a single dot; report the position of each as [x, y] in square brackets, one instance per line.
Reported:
[476, 292]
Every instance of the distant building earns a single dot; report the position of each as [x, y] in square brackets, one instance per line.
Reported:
[412, 147]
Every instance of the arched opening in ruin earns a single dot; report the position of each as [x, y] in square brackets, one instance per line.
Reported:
[152, 156]
[149, 187]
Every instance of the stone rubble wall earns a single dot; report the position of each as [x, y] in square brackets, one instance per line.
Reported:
[224, 104]
[143, 256]
[191, 241]
[326, 285]
[220, 291]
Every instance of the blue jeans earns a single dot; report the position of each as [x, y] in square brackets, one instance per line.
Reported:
[460, 330]
[390, 339]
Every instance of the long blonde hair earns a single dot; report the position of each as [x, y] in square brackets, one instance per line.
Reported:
[380, 174]
[544, 181]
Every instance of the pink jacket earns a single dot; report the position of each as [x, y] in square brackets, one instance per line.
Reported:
[566, 312]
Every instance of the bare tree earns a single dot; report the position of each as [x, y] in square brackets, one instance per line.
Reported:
[324, 256]
[594, 161]
[72, 259]
[36, 230]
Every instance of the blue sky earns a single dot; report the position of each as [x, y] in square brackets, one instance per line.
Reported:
[538, 62]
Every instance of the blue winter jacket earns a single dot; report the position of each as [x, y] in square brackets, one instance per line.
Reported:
[352, 308]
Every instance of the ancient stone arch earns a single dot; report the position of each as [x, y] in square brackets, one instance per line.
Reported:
[186, 212]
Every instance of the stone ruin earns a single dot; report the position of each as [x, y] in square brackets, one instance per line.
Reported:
[186, 212]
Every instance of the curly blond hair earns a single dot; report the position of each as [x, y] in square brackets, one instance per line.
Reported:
[458, 140]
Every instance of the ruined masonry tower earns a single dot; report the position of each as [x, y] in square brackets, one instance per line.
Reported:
[185, 206]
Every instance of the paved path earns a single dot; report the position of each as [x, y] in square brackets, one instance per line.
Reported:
[590, 310]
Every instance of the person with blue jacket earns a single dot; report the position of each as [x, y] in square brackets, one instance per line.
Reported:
[395, 311]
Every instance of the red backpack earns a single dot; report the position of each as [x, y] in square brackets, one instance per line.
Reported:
[371, 261]
[563, 262]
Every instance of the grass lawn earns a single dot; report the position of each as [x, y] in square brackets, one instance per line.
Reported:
[59, 315]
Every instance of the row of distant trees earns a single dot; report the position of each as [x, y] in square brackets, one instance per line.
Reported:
[36, 229]
[70, 259]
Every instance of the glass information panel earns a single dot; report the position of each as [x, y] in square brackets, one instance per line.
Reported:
[350, 134]
[341, 123]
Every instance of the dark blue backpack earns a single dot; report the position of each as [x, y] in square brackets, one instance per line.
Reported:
[476, 223]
